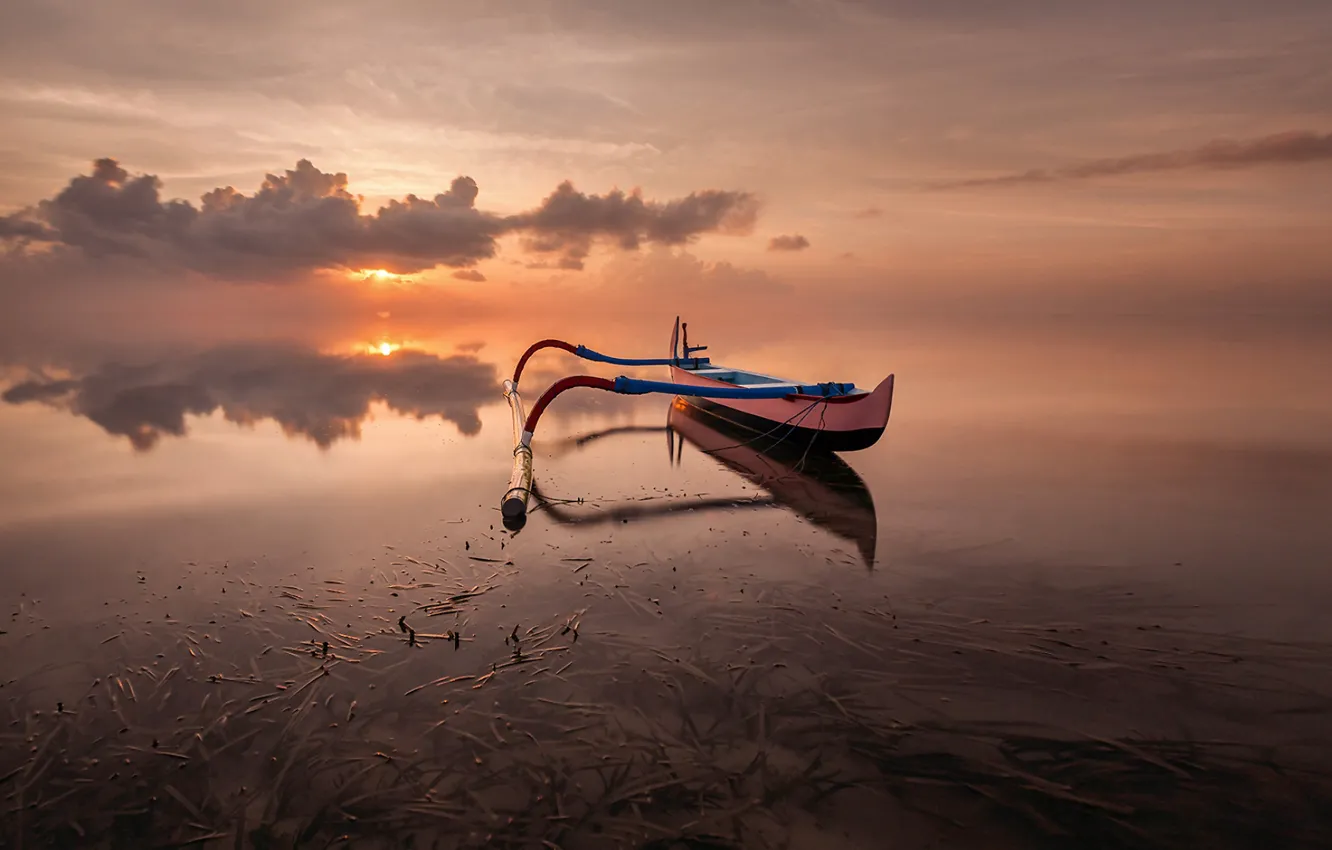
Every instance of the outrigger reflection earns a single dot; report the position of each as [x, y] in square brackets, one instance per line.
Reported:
[825, 417]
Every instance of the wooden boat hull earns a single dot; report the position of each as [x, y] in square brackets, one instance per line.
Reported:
[837, 424]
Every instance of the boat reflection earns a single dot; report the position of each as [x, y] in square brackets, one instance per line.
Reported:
[572, 444]
[819, 487]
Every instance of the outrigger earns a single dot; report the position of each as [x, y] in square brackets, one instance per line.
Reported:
[829, 417]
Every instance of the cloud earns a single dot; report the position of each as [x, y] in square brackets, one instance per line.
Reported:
[469, 274]
[793, 242]
[567, 220]
[322, 397]
[305, 219]
[302, 219]
[1294, 148]
[16, 227]
[38, 391]
[868, 212]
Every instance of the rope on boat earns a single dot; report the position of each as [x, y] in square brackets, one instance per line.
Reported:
[801, 413]
[800, 465]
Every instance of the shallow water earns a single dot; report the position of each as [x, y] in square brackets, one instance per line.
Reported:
[1078, 589]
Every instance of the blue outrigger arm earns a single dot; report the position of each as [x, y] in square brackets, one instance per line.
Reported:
[596, 356]
[688, 362]
[634, 386]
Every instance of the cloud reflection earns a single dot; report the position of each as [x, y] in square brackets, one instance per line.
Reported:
[322, 397]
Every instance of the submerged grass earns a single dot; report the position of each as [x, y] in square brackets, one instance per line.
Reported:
[290, 728]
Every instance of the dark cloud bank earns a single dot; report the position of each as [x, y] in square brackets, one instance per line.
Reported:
[305, 219]
[1293, 148]
[322, 397]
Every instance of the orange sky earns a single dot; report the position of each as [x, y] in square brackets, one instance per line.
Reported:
[892, 154]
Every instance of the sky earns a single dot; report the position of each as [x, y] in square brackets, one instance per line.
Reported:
[179, 171]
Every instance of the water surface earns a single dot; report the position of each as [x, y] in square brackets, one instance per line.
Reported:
[263, 588]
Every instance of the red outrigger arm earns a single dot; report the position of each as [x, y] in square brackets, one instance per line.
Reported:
[514, 504]
[555, 389]
[534, 348]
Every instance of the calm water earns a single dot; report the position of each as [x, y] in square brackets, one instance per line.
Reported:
[229, 572]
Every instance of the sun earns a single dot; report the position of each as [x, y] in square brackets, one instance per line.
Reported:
[385, 348]
[381, 276]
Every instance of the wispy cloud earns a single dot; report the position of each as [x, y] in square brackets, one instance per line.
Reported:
[306, 219]
[1297, 147]
[15, 227]
[792, 242]
[567, 221]
[469, 274]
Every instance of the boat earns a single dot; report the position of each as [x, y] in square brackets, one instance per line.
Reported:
[831, 416]
[847, 419]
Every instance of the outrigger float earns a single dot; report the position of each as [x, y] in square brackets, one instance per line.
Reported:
[829, 417]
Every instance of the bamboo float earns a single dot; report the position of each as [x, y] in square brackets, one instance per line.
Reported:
[514, 504]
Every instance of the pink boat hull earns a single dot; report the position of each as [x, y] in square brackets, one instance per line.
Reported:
[840, 424]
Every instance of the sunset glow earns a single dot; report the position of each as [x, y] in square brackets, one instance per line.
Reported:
[381, 276]
[1025, 311]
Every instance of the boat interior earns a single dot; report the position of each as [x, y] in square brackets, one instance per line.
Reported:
[742, 378]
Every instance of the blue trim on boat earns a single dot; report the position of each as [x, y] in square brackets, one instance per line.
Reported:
[688, 362]
[634, 386]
